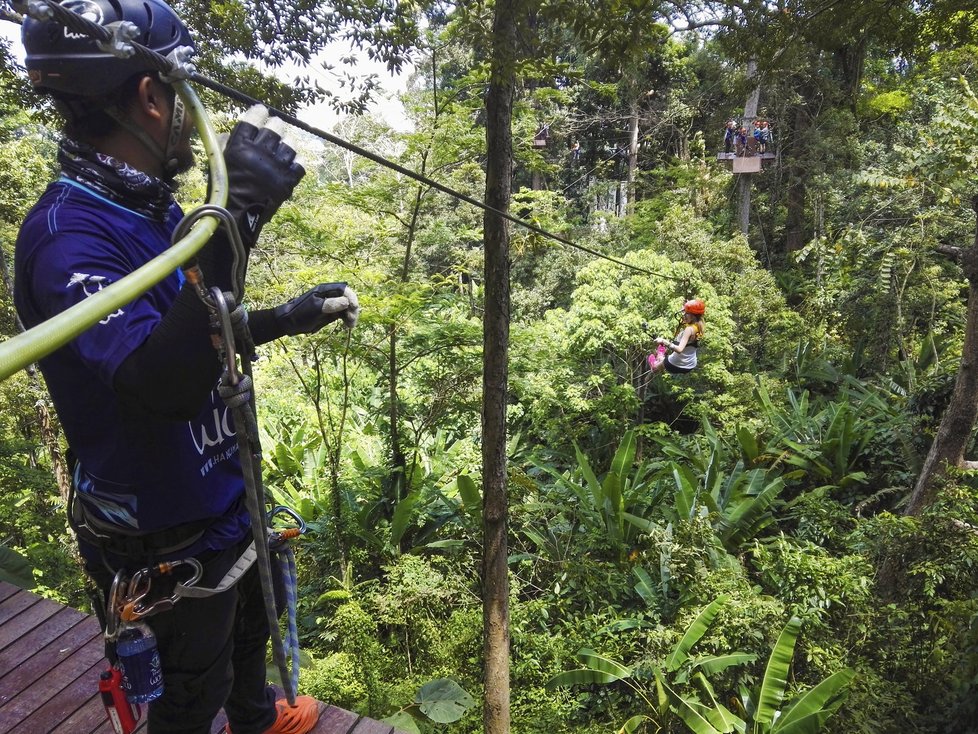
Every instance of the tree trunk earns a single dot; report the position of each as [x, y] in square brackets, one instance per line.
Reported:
[632, 156]
[959, 418]
[744, 179]
[495, 341]
[795, 230]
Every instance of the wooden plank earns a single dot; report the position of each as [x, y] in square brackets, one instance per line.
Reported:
[335, 721]
[50, 660]
[369, 726]
[7, 590]
[29, 644]
[751, 164]
[52, 687]
[45, 659]
[106, 727]
[90, 714]
[15, 604]
[65, 701]
[29, 619]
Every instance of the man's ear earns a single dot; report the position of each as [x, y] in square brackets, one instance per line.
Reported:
[151, 98]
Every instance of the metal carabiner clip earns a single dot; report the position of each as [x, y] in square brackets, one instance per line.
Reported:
[117, 593]
[277, 538]
[139, 588]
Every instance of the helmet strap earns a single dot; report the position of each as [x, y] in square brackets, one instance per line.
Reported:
[177, 118]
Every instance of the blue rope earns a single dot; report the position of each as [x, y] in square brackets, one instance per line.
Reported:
[286, 560]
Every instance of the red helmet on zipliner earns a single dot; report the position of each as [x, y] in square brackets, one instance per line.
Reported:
[695, 306]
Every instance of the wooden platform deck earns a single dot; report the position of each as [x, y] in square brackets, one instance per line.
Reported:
[50, 660]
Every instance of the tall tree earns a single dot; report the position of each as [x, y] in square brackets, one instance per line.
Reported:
[958, 421]
[499, 172]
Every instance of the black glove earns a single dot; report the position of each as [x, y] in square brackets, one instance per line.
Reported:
[317, 307]
[262, 171]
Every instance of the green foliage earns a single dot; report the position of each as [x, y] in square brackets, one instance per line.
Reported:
[337, 679]
[662, 529]
[15, 569]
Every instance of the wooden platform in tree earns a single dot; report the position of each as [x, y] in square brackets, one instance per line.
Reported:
[50, 660]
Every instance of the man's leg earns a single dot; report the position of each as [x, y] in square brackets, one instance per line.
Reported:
[250, 707]
[196, 642]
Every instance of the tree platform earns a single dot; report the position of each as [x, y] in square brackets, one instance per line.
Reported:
[50, 660]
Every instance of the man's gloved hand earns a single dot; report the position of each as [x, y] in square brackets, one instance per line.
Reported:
[262, 171]
[317, 307]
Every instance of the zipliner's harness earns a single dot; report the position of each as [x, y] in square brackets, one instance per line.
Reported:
[686, 360]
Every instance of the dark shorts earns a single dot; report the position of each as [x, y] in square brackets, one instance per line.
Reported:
[670, 367]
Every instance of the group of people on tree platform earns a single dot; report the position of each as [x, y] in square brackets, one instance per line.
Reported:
[738, 140]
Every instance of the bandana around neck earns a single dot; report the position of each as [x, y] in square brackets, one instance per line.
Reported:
[115, 180]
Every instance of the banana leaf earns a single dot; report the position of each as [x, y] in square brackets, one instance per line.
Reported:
[632, 725]
[810, 710]
[694, 633]
[685, 491]
[748, 516]
[471, 498]
[402, 516]
[599, 670]
[697, 723]
[714, 664]
[597, 493]
[717, 714]
[645, 587]
[775, 680]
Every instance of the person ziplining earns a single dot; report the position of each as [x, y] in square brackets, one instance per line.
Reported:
[679, 354]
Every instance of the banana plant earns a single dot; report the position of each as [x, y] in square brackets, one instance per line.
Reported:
[823, 444]
[763, 711]
[661, 700]
[806, 713]
[617, 503]
[740, 502]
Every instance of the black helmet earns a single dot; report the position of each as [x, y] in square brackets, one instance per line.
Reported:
[62, 61]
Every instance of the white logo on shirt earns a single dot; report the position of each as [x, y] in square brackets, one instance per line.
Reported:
[90, 285]
[222, 431]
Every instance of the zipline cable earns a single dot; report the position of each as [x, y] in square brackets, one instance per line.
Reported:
[75, 22]
[245, 99]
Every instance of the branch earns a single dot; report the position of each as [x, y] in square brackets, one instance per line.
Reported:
[962, 525]
[952, 251]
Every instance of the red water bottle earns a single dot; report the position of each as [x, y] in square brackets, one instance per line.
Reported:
[122, 715]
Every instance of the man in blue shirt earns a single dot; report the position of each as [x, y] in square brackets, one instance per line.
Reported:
[157, 475]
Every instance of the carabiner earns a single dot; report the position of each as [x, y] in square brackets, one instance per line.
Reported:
[139, 588]
[277, 538]
[113, 610]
